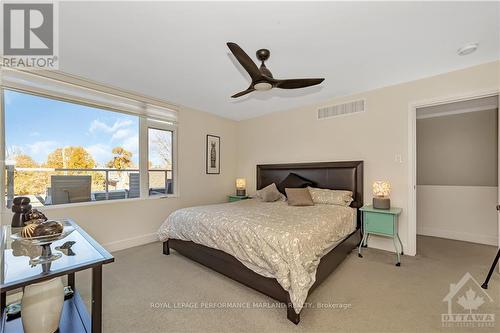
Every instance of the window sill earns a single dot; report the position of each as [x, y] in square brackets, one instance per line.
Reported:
[103, 202]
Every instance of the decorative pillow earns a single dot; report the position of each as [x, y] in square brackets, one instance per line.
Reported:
[269, 193]
[294, 181]
[299, 197]
[330, 197]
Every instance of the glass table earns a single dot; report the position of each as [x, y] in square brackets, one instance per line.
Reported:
[78, 252]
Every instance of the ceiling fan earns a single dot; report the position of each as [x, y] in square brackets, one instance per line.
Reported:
[262, 79]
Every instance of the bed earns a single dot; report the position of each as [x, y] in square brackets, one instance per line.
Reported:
[282, 251]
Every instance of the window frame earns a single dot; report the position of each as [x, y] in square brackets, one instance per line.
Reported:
[144, 124]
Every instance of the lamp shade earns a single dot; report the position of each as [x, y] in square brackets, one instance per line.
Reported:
[241, 183]
[381, 188]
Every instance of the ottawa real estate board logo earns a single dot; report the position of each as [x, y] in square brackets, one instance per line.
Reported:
[465, 300]
[30, 35]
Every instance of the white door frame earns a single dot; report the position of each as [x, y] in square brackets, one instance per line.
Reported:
[412, 156]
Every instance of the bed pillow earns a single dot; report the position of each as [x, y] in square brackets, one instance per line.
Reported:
[269, 193]
[294, 181]
[299, 197]
[330, 197]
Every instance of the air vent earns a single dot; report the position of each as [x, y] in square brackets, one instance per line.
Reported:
[341, 109]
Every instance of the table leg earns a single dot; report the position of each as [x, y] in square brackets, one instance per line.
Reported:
[363, 231]
[398, 263]
[71, 281]
[3, 301]
[96, 299]
[493, 265]
[366, 240]
[365, 235]
[400, 243]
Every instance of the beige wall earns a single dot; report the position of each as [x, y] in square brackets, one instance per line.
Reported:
[458, 149]
[122, 224]
[375, 136]
[458, 212]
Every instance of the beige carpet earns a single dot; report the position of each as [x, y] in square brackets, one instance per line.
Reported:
[382, 297]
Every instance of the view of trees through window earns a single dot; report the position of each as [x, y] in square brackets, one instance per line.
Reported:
[160, 159]
[49, 140]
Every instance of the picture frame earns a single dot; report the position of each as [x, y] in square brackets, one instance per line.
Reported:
[212, 161]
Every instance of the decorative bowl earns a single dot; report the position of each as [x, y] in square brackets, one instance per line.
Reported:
[43, 240]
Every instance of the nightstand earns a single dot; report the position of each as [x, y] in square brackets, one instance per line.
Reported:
[233, 198]
[382, 222]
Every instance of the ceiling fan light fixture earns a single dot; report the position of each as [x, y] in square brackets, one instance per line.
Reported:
[262, 86]
[467, 49]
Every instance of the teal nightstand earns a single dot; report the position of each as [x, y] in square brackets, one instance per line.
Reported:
[233, 198]
[383, 222]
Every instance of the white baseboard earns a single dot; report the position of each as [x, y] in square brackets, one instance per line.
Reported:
[123, 244]
[457, 235]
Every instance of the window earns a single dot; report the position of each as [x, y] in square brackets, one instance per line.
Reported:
[60, 151]
[160, 161]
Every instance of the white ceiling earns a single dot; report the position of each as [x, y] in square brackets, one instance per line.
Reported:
[178, 52]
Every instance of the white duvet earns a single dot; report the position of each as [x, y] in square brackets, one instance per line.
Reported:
[272, 239]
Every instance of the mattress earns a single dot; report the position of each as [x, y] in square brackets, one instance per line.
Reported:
[272, 239]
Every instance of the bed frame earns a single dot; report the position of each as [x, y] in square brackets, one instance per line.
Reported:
[332, 175]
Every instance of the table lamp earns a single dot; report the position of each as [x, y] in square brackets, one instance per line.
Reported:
[240, 187]
[381, 191]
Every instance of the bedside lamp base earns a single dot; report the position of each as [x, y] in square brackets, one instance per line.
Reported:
[241, 193]
[381, 203]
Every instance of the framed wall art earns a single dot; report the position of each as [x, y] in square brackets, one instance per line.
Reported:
[213, 154]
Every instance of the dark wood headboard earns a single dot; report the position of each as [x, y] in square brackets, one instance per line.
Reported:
[346, 175]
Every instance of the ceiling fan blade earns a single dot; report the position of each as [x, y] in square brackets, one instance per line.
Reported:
[297, 83]
[245, 61]
[244, 92]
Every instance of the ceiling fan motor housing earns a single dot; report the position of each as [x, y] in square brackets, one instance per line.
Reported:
[263, 54]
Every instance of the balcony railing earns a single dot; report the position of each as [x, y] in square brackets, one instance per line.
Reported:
[158, 185]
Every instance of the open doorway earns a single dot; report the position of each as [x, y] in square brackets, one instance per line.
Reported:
[457, 170]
